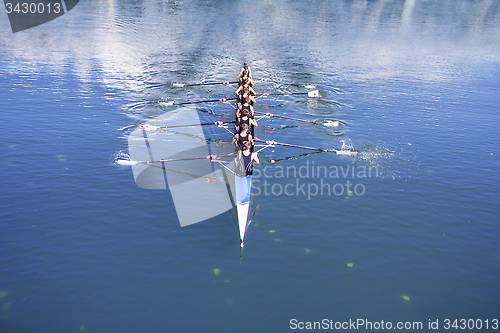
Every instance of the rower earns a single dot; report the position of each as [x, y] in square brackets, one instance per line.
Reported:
[245, 118]
[246, 105]
[245, 91]
[245, 80]
[243, 136]
[245, 71]
[245, 160]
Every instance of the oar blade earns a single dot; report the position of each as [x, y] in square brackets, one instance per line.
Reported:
[333, 123]
[122, 161]
[166, 103]
[314, 93]
[149, 127]
[346, 152]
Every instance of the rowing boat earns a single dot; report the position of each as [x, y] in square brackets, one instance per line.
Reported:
[243, 189]
[202, 184]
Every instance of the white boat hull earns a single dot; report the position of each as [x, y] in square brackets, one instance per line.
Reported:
[243, 189]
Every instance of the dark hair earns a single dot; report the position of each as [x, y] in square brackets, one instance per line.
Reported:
[244, 112]
[246, 145]
[244, 126]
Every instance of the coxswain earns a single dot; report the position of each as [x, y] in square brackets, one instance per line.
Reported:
[242, 136]
[245, 71]
[246, 158]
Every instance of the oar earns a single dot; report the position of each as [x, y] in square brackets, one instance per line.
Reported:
[123, 161]
[224, 99]
[292, 118]
[307, 86]
[314, 93]
[338, 151]
[153, 128]
[180, 85]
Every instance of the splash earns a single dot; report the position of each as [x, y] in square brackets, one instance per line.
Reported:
[332, 123]
[389, 163]
[372, 152]
[120, 155]
[334, 127]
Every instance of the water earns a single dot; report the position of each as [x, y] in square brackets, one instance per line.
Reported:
[416, 83]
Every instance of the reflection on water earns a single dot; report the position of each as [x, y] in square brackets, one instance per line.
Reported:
[142, 42]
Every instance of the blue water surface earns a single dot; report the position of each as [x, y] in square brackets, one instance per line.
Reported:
[415, 85]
